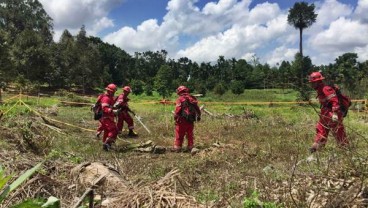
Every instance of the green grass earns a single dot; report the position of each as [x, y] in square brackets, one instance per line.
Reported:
[254, 95]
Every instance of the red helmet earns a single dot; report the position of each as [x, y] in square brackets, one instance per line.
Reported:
[127, 89]
[111, 88]
[315, 77]
[182, 89]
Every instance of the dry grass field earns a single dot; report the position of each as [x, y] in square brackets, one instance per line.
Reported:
[248, 156]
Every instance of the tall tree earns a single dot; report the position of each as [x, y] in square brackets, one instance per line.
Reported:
[119, 65]
[223, 68]
[163, 81]
[364, 83]
[30, 56]
[29, 31]
[284, 74]
[63, 61]
[301, 16]
[349, 72]
[89, 65]
[19, 15]
[4, 55]
[301, 67]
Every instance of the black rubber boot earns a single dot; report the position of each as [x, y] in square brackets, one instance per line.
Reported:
[106, 147]
[98, 134]
[132, 133]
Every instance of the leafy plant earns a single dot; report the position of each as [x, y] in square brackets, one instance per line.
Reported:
[52, 202]
[30, 203]
[3, 179]
[254, 202]
[17, 182]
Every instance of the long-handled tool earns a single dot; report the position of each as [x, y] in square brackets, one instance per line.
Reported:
[139, 119]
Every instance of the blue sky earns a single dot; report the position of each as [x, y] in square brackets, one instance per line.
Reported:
[203, 30]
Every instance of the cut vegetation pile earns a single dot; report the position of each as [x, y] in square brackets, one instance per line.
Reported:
[119, 193]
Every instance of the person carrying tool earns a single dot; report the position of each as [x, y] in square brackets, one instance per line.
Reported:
[121, 103]
[96, 108]
[330, 117]
[185, 114]
[107, 120]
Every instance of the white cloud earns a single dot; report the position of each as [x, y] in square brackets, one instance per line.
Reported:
[332, 10]
[361, 11]
[72, 14]
[237, 41]
[248, 56]
[343, 35]
[101, 24]
[362, 53]
[219, 26]
[223, 27]
[281, 54]
[217, 9]
[262, 13]
[212, 19]
[148, 36]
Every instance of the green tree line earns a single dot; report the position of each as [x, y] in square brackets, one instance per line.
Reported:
[30, 57]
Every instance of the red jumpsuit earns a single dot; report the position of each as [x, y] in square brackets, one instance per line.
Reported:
[100, 126]
[122, 102]
[182, 126]
[107, 120]
[329, 105]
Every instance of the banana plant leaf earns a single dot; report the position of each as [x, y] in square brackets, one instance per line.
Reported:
[19, 181]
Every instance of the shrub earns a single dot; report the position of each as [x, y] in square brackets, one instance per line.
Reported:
[219, 89]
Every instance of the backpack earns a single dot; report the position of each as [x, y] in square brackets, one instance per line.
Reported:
[344, 101]
[97, 108]
[188, 110]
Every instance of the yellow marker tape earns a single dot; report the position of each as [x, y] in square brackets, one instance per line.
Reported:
[168, 102]
[10, 98]
[69, 102]
[11, 107]
[225, 103]
[56, 120]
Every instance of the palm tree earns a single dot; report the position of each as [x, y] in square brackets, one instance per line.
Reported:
[301, 16]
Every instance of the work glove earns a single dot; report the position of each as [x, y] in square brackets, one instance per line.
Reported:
[314, 147]
[130, 110]
[312, 150]
[334, 118]
[116, 105]
[116, 112]
[93, 107]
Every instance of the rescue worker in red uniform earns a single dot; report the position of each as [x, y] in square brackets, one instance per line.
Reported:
[182, 125]
[107, 120]
[330, 118]
[122, 104]
[100, 126]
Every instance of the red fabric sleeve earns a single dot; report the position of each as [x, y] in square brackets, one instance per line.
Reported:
[331, 97]
[106, 104]
[178, 106]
